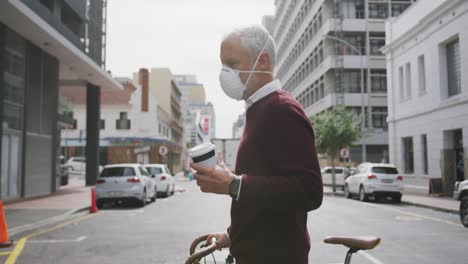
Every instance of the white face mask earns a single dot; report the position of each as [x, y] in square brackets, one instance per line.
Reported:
[231, 82]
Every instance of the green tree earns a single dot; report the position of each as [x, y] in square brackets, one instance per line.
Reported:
[335, 128]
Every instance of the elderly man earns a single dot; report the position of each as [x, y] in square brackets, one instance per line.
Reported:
[277, 177]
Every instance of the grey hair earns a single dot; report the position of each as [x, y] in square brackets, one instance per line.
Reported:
[253, 39]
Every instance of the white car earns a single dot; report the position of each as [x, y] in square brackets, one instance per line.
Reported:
[125, 182]
[339, 176]
[77, 163]
[375, 179]
[164, 178]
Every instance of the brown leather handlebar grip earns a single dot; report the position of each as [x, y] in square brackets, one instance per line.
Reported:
[196, 257]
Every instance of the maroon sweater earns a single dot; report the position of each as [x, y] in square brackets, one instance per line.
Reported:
[281, 182]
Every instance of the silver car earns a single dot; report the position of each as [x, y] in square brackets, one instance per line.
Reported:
[125, 182]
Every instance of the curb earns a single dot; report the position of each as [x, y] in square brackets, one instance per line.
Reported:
[435, 208]
[48, 221]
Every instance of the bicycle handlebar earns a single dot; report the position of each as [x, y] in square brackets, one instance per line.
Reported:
[196, 257]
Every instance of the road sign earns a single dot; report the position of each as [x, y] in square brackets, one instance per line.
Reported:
[163, 150]
[344, 152]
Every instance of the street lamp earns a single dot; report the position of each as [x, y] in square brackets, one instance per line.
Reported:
[364, 157]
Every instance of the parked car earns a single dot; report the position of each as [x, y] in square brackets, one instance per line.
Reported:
[339, 176]
[375, 179]
[461, 194]
[164, 178]
[77, 163]
[125, 182]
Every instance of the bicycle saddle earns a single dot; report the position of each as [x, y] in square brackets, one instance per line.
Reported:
[356, 242]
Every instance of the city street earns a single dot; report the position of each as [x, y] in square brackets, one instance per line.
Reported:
[162, 232]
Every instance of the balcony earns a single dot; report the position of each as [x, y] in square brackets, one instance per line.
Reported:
[177, 126]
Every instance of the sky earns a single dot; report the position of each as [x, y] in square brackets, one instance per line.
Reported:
[183, 35]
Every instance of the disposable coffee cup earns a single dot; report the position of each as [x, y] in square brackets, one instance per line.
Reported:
[204, 154]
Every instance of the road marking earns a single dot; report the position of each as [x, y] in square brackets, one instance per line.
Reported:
[22, 242]
[370, 257]
[80, 239]
[5, 253]
[417, 215]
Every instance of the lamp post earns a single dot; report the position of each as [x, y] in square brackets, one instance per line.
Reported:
[364, 156]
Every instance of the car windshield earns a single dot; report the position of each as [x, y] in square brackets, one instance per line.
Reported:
[118, 172]
[154, 170]
[384, 170]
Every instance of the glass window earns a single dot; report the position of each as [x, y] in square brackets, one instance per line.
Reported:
[13, 80]
[375, 44]
[154, 170]
[385, 170]
[143, 171]
[424, 153]
[401, 83]
[453, 67]
[408, 154]
[379, 117]
[408, 80]
[118, 172]
[378, 10]
[421, 74]
[397, 9]
[378, 81]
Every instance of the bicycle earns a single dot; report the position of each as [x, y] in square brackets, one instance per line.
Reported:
[354, 243]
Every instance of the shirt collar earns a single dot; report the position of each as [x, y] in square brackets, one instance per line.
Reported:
[267, 89]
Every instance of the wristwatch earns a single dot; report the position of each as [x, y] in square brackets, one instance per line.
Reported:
[234, 187]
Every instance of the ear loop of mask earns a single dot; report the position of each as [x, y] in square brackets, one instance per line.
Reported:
[255, 64]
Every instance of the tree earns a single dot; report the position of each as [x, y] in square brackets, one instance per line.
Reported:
[334, 129]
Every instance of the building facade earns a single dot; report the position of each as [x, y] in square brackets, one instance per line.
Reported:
[162, 84]
[43, 47]
[322, 46]
[128, 126]
[427, 63]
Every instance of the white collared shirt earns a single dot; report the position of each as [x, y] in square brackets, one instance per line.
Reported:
[267, 89]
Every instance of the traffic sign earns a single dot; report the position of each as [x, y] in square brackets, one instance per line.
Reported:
[344, 152]
[163, 150]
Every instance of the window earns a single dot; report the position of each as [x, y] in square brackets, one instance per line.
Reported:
[453, 67]
[408, 154]
[352, 81]
[401, 83]
[424, 153]
[378, 81]
[118, 172]
[397, 9]
[378, 10]
[421, 74]
[123, 122]
[102, 124]
[376, 42]
[408, 80]
[154, 170]
[379, 117]
[143, 171]
[75, 124]
[384, 170]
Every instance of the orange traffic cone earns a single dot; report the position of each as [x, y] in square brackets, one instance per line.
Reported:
[93, 208]
[4, 240]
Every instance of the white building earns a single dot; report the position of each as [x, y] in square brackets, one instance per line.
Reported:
[321, 72]
[427, 64]
[128, 126]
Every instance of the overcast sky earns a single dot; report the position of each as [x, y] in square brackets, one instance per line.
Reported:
[183, 35]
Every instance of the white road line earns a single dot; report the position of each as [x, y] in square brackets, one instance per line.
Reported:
[416, 215]
[53, 241]
[370, 257]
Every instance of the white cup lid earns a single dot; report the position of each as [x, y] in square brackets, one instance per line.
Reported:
[201, 149]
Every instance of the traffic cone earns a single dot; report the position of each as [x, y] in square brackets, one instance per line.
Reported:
[4, 240]
[93, 208]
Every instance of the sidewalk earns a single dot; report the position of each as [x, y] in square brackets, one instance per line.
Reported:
[444, 204]
[33, 213]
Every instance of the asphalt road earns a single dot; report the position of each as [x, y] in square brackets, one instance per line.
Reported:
[162, 232]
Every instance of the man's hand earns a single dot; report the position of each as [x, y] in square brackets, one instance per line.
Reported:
[213, 180]
[222, 240]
